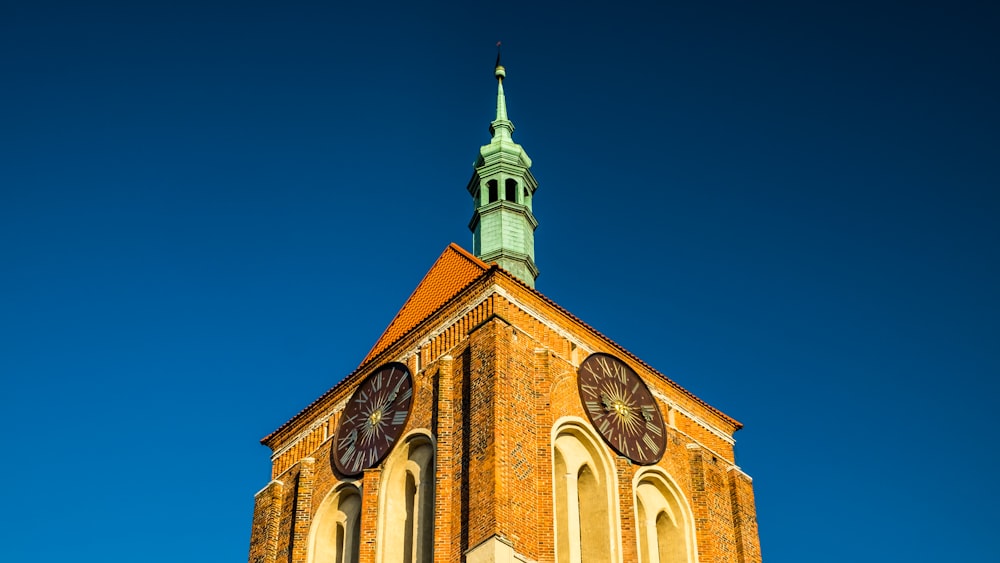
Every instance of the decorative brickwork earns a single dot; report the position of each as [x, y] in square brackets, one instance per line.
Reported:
[494, 366]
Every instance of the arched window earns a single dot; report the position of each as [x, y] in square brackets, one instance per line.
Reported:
[510, 190]
[585, 508]
[663, 520]
[336, 530]
[491, 187]
[406, 503]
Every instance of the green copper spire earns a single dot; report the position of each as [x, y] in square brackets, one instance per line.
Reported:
[501, 126]
[502, 188]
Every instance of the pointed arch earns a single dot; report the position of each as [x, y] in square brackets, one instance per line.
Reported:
[335, 533]
[406, 502]
[664, 521]
[584, 486]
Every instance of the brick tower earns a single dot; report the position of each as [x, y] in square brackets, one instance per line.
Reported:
[489, 424]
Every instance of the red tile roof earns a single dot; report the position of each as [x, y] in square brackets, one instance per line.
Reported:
[451, 273]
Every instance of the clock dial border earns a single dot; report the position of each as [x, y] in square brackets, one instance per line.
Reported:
[373, 419]
[621, 408]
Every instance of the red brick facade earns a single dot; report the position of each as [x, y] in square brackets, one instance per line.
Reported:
[494, 365]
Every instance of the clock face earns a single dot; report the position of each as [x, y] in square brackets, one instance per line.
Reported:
[621, 408]
[373, 419]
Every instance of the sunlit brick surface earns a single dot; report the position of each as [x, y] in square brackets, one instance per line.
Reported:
[497, 368]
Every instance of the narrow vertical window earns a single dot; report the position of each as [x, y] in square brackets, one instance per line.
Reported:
[352, 524]
[409, 525]
[641, 531]
[340, 543]
[592, 498]
[491, 188]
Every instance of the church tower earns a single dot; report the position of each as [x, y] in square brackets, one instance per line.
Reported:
[502, 225]
[489, 425]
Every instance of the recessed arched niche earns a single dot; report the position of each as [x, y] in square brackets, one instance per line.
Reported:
[586, 511]
[406, 502]
[334, 536]
[664, 522]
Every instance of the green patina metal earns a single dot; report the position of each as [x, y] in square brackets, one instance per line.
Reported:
[502, 188]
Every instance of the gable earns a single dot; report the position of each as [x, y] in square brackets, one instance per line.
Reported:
[506, 296]
[454, 270]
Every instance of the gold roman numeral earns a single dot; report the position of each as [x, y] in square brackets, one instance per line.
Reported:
[649, 442]
[654, 428]
[604, 426]
[345, 458]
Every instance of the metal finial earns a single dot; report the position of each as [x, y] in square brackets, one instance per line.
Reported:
[500, 72]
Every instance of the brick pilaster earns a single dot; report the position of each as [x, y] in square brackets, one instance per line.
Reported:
[700, 502]
[369, 515]
[444, 485]
[266, 521]
[713, 513]
[744, 517]
[480, 427]
[303, 510]
[545, 549]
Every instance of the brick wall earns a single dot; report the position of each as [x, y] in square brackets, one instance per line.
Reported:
[494, 379]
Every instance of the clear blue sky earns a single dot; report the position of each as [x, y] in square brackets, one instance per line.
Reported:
[210, 211]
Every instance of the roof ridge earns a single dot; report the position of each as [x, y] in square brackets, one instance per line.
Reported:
[565, 311]
[457, 250]
[468, 255]
[473, 270]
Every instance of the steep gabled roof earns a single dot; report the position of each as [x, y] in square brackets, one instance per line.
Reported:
[454, 270]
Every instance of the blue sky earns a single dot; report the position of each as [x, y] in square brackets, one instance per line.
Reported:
[210, 211]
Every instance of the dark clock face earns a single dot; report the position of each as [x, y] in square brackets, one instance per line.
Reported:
[621, 408]
[373, 419]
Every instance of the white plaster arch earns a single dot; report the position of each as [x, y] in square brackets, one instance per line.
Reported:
[406, 501]
[335, 530]
[585, 495]
[665, 529]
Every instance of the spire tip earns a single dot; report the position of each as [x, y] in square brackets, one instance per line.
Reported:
[499, 72]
